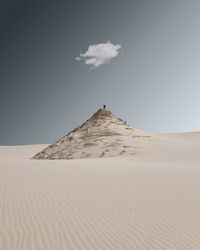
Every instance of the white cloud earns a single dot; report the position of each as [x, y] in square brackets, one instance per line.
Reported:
[77, 58]
[98, 54]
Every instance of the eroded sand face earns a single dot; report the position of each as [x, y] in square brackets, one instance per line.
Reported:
[103, 135]
[148, 201]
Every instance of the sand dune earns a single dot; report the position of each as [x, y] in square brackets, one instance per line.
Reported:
[102, 135]
[20, 152]
[150, 200]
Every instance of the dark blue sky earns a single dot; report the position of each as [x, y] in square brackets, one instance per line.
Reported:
[153, 84]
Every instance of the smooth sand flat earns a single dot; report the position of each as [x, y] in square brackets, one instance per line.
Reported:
[147, 201]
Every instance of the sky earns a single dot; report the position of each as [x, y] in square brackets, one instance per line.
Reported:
[153, 83]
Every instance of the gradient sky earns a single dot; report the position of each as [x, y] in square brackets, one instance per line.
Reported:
[154, 84]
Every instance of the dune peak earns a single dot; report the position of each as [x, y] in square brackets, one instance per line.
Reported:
[102, 135]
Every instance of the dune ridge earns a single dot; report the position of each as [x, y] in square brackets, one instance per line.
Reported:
[102, 135]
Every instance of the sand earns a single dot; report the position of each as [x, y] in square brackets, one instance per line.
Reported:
[103, 135]
[150, 200]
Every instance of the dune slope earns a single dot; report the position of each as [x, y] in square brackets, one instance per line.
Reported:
[150, 200]
[103, 135]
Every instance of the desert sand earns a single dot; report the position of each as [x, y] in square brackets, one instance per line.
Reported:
[103, 135]
[150, 200]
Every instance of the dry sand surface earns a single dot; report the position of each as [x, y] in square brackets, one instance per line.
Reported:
[150, 200]
[103, 135]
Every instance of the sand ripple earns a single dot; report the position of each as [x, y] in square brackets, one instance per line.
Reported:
[100, 204]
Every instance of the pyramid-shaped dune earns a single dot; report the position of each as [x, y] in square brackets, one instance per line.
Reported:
[103, 135]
